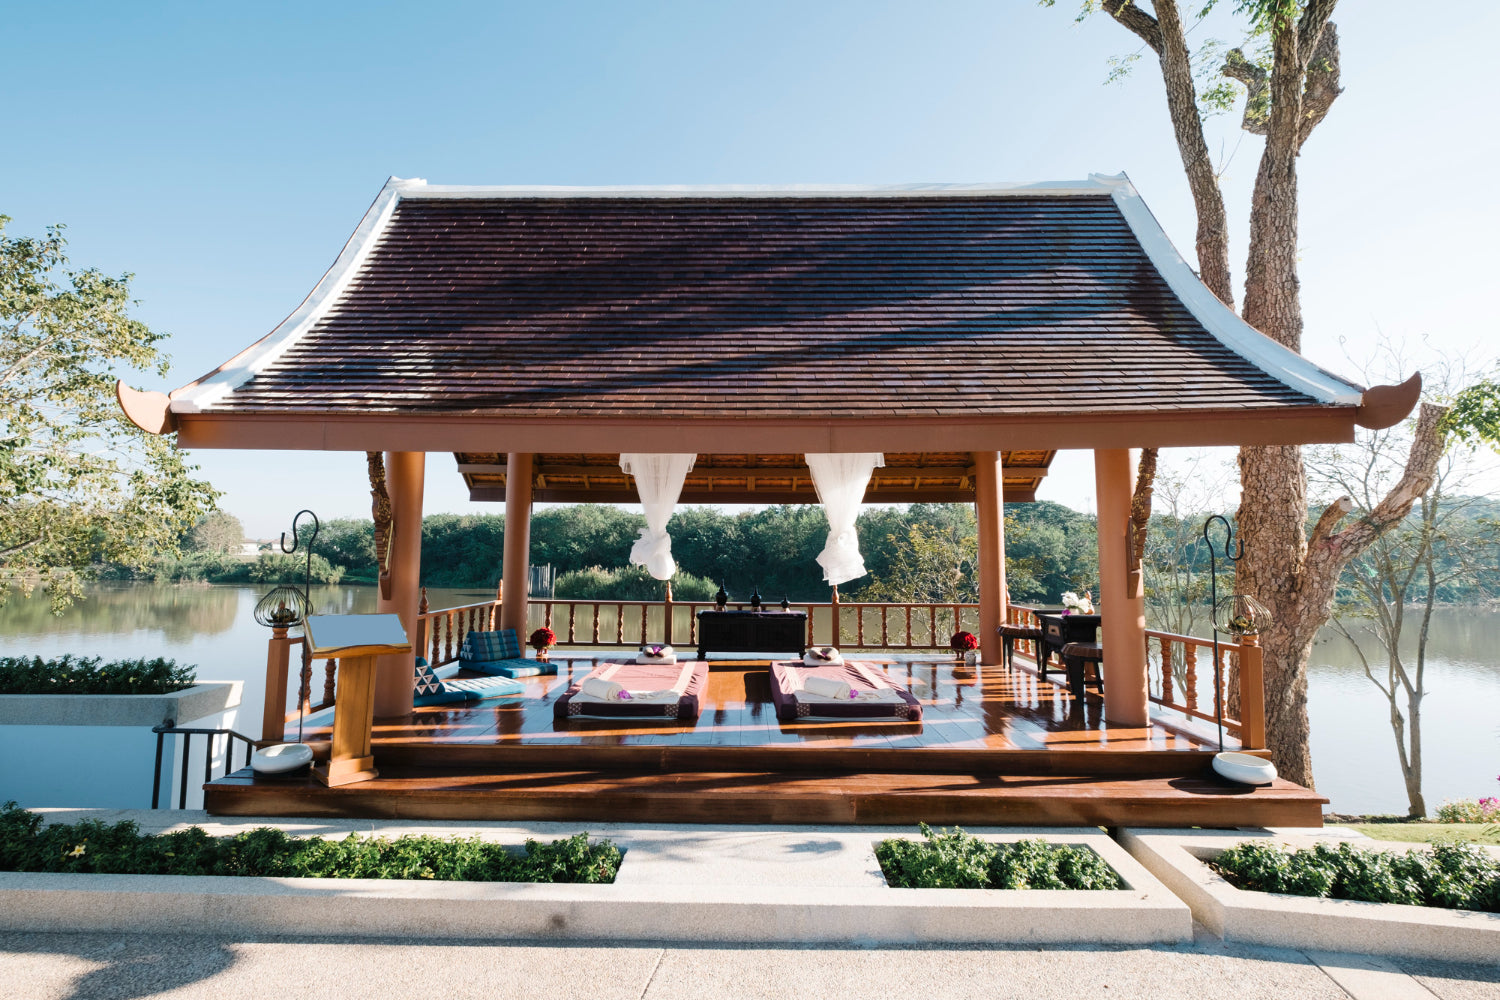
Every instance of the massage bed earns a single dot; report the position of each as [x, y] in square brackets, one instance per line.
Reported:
[676, 688]
[879, 699]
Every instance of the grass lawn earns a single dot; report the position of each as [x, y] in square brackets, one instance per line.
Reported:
[1427, 833]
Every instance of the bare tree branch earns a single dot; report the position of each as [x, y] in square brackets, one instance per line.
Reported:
[1237, 67]
[1137, 20]
[1310, 28]
[1416, 480]
[1322, 86]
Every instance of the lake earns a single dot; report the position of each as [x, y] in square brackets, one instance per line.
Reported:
[1354, 753]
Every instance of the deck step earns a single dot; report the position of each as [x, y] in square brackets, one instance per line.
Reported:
[406, 792]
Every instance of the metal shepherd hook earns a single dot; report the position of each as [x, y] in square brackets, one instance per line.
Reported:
[1213, 607]
[306, 593]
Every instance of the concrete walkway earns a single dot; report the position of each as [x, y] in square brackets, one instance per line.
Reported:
[124, 967]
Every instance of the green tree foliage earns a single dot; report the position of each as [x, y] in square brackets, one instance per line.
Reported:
[630, 583]
[79, 484]
[219, 533]
[1474, 415]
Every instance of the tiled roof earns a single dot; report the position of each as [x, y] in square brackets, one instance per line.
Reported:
[759, 307]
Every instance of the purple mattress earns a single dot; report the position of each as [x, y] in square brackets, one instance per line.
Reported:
[687, 678]
[860, 676]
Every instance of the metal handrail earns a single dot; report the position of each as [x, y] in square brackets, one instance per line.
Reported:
[187, 733]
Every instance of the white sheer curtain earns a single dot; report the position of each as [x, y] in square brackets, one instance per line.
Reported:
[840, 480]
[658, 482]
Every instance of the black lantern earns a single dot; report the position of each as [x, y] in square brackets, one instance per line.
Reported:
[283, 608]
[755, 601]
[786, 605]
[721, 598]
[1241, 615]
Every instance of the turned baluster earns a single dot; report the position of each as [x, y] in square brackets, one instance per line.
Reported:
[1190, 675]
[644, 640]
[1166, 671]
[596, 624]
[572, 614]
[619, 624]
[859, 625]
[547, 614]
[885, 639]
[329, 669]
[932, 625]
[908, 626]
[304, 680]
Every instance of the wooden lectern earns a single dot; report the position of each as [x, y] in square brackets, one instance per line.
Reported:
[355, 641]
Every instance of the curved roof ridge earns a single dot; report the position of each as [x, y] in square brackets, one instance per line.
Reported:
[1226, 326]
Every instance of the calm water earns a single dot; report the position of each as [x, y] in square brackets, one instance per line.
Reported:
[1353, 751]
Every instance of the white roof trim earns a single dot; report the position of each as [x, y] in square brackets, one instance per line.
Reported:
[243, 366]
[1090, 186]
[1218, 319]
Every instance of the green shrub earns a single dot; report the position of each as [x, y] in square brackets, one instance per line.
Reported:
[630, 583]
[91, 846]
[954, 859]
[1485, 810]
[1451, 875]
[91, 675]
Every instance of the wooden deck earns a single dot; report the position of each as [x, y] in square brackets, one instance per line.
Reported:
[1001, 748]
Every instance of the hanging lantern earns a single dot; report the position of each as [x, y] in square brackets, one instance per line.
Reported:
[284, 607]
[1241, 614]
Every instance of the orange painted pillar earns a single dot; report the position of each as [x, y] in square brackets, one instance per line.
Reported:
[394, 672]
[515, 576]
[1123, 626]
[989, 503]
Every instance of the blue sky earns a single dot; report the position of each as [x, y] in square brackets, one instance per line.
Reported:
[223, 153]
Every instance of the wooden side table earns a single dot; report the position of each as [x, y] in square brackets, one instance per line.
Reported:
[355, 641]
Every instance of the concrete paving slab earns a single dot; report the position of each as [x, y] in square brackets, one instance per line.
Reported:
[1369, 977]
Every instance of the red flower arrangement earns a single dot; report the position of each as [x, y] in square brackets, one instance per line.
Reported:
[962, 642]
[542, 638]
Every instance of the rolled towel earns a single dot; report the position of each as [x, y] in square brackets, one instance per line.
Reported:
[826, 687]
[599, 689]
[822, 656]
[656, 654]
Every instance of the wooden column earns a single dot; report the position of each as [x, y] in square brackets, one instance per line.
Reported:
[989, 504]
[515, 576]
[1123, 626]
[395, 673]
[1252, 694]
[278, 658]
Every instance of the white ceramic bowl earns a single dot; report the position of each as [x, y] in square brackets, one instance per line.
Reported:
[1244, 768]
[281, 758]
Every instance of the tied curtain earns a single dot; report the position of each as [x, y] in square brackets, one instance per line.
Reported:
[840, 480]
[658, 482]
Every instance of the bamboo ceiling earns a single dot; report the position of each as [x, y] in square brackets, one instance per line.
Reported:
[927, 477]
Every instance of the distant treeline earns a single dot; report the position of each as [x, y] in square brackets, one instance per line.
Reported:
[919, 553]
[924, 551]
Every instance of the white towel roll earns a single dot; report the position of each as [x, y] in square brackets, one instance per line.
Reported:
[599, 689]
[826, 687]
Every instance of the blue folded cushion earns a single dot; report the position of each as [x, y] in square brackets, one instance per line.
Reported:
[431, 690]
[518, 667]
[487, 646]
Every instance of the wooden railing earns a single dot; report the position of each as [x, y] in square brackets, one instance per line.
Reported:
[1173, 676]
[855, 625]
[1172, 663]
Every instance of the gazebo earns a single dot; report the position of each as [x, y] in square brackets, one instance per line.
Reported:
[964, 332]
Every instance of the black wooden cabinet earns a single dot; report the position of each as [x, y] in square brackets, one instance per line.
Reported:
[751, 632]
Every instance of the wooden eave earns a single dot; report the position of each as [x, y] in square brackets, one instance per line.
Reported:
[929, 477]
[483, 433]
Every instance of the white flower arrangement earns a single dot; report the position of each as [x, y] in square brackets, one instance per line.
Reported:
[1083, 605]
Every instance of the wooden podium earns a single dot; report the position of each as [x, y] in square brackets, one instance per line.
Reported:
[355, 641]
